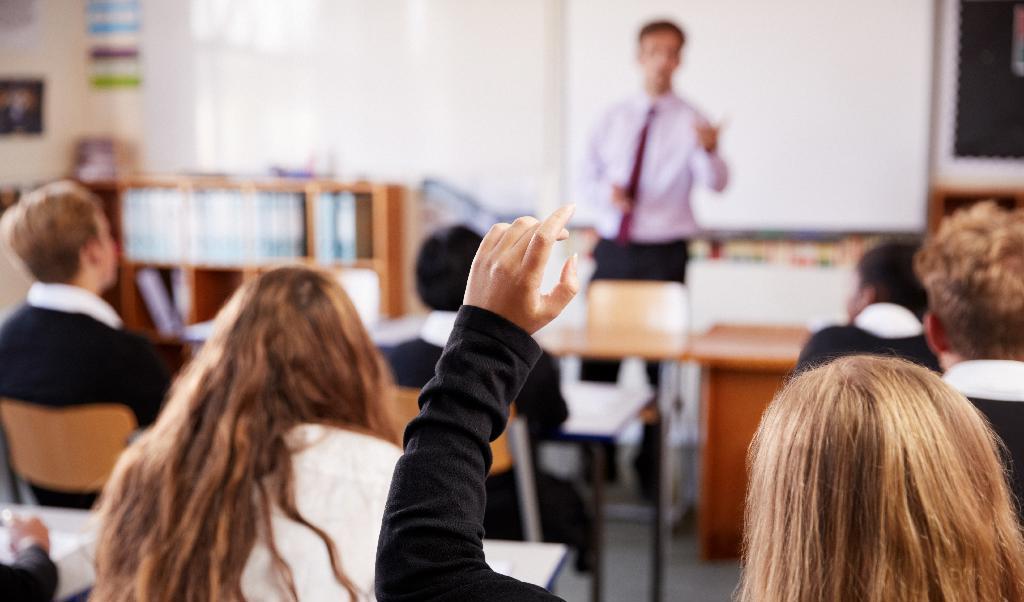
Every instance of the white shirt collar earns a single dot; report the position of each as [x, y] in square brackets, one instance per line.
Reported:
[438, 327]
[889, 321]
[998, 380]
[73, 300]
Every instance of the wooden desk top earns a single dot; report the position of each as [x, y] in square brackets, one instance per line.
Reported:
[725, 345]
[751, 347]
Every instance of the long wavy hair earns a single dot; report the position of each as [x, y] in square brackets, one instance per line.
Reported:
[872, 480]
[189, 500]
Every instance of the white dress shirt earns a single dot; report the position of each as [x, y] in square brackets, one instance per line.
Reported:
[438, 327]
[673, 161]
[341, 484]
[73, 300]
[889, 321]
[996, 380]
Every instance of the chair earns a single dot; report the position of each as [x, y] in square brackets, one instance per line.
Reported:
[510, 451]
[638, 306]
[71, 449]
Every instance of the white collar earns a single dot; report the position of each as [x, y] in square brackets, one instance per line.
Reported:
[668, 99]
[73, 300]
[889, 321]
[998, 380]
[438, 327]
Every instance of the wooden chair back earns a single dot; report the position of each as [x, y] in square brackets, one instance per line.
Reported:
[638, 306]
[70, 450]
[407, 407]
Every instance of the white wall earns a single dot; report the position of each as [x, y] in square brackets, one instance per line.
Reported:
[58, 57]
[826, 103]
[389, 89]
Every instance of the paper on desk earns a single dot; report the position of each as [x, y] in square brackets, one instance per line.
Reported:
[502, 566]
[72, 555]
[61, 544]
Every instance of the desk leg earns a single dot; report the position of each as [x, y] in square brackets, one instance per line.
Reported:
[667, 389]
[597, 530]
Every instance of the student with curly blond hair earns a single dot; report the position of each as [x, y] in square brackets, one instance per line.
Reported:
[973, 270]
[871, 480]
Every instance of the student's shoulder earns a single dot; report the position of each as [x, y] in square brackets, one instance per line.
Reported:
[342, 452]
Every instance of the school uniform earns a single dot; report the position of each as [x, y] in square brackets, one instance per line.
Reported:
[880, 329]
[66, 346]
[31, 578]
[431, 539]
[562, 512]
[341, 482]
[996, 388]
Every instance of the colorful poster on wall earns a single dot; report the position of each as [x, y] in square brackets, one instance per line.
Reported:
[114, 27]
[21, 106]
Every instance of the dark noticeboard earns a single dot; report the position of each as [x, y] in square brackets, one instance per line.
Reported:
[21, 106]
[990, 80]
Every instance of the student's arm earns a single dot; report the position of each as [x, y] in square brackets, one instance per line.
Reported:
[32, 577]
[142, 379]
[431, 537]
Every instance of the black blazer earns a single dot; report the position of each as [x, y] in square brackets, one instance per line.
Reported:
[836, 341]
[59, 359]
[1007, 420]
[32, 577]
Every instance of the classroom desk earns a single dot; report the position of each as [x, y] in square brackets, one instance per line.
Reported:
[598, 415]
[536, 563]
[742, 369]
[617, 345]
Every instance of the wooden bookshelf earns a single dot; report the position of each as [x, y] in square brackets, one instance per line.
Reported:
[210, 283]
[949, 199]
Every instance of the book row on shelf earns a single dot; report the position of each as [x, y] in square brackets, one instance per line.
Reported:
[842, 252]
[233, 227]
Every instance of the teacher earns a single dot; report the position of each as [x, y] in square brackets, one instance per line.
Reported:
[643, 159]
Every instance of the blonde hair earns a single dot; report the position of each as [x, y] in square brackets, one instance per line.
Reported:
[973, 270]
[871, 479]
[47, 229]
[189, 501]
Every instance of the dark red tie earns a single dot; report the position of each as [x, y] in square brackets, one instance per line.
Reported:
[633, 187]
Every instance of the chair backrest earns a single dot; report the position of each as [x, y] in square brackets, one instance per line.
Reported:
[638, 306]
[71, 449]
[407, 407]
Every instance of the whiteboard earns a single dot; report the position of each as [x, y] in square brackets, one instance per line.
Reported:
[827, 103]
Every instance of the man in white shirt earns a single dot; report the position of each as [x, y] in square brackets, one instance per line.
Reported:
[973, 270]
[644, 157]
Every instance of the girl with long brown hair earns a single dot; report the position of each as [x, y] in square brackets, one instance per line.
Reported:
[265, 476]
[871, 480]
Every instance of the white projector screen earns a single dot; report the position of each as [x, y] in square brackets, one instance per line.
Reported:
[826, 103]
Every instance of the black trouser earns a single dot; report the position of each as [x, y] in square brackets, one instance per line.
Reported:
[664, 261]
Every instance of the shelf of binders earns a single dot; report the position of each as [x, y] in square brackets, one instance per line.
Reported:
[188, 243]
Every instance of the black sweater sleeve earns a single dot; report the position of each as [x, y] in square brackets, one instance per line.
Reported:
[431, 537]
[32, 578]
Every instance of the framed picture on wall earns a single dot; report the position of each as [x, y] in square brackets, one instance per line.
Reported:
[21, 106]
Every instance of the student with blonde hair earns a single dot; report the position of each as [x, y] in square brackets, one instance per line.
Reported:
[973, 270]
[66, 345]
[871, 479]
[266, 475]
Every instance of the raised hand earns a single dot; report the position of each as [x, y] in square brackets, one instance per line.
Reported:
[508, 268]
[707, 135]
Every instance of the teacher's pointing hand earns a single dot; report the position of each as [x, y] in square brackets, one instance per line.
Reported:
[509, 266]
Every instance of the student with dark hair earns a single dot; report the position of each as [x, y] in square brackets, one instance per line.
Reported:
[66, 345]
[442, 270]
[885, 313]
[32, 577]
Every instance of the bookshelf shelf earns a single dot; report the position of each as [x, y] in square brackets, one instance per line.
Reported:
[945, 200]
[204, 236]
